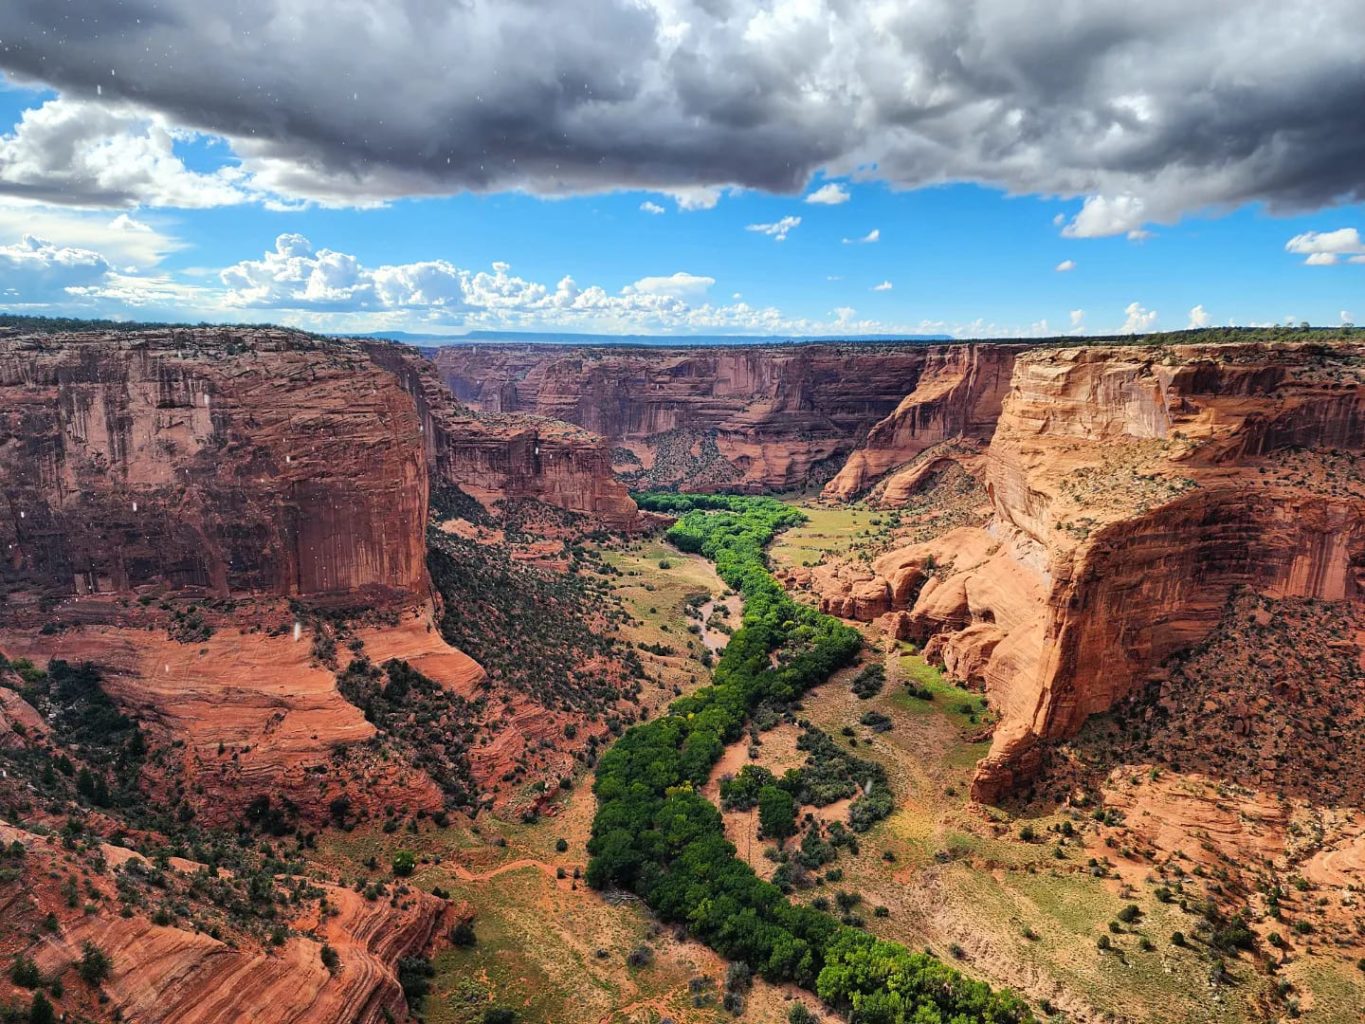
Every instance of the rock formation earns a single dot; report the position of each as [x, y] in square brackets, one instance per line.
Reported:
[1133, 490]
[750, 418]
[215, 460]
[958, 395]
[163, 972]
[510, 456]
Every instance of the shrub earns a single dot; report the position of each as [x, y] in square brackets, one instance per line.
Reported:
[462, 934]
[869, 682]
[25, 972]
[640, 956]
[414, 977]
[94, 965]
[404, 863]
[40, 1010]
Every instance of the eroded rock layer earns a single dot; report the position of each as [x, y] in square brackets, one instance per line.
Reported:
[219, 460]
[756, 418]
[510, 456]
[1134, 489]
[170, 970]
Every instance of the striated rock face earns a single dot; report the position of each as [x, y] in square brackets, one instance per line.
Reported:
[254, 715]
[164, 972]
[755, 418]
[1134, 490]
[958, 395]
[246, 461]
[496, 457]
[225, 461]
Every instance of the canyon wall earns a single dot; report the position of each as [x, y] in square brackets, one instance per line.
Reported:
[222, 461]
[235, 461]
[742, 418]
[958, 395]
[509, 456]
[1133, 490]
[168, 493]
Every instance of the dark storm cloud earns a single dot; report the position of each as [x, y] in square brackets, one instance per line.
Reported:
[1159, 107]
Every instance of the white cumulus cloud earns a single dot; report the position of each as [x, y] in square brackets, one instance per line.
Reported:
[326, 289]
[1102, 216]
[678, 284]
[35, 271]
[885, 286]
[1139, 319]
[872, 236]
[1324, 248]
[829, 195]
[81, 152]
[1199, 318]
[777, 230]
[1066, 265]
[651, 207]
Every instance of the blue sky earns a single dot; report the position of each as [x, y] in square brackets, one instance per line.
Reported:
[113, 206]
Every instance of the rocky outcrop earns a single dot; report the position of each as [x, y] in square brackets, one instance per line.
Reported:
[251, 715]
[222, 461]
[958, 395]
[494, 457]
[1133, 490]
[163, 972]
[756, 418]
[231, 461]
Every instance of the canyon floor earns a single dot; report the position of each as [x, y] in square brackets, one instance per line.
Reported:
[1024, 896]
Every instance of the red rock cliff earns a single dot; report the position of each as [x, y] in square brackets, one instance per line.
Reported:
[510, 456]
[228, 461]
[1133, 490]
[757, 418]
[958, 394]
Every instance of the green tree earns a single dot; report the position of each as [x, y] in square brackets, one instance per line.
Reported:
[94, 965]
[404, 863]
[40, 1010]
[776, 813]
[25, 972]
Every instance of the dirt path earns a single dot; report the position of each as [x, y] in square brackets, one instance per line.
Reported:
[465, 875]
[715, 639]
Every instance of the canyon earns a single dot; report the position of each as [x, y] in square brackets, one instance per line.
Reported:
[1128, 490]
[741, 418]
[230, 528]
[343, 584]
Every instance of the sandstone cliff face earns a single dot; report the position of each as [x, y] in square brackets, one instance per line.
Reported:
[222, 461]
[496, 457]
[1133, 491]
[208, 476]
[165, 972]
[958, 395]
[755, 418]
[241, 461]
